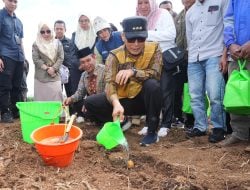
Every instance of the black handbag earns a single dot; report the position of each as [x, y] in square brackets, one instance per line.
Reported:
[173, 57]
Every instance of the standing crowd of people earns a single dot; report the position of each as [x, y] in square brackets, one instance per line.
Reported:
[110, 75]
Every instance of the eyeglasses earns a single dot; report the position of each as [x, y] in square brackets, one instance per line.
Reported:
[13, 1]
[139, 40]
[45, 31]
[83, 20]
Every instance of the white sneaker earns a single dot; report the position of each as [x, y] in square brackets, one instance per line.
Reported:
[143, 117]
[79, 119]
[163, 132]
[144, 131]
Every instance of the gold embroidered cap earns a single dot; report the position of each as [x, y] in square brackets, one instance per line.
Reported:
[135, 27]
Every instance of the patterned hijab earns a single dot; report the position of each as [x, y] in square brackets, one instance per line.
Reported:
[85, 38]
[47, 47]
[153, 15]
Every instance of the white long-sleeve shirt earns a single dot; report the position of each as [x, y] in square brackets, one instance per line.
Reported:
[164, 31]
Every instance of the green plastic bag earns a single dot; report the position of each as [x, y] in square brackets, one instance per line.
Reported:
[186, 106]
[237, 93]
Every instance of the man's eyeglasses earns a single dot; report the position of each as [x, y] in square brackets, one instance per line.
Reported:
[45, 31]
[139, 39]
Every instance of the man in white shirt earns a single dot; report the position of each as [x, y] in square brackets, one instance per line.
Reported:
[207, 62]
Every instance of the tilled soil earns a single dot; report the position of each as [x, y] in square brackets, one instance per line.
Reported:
[173, 163]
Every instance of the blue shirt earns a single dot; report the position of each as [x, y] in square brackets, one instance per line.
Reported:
[237, 23]
[11, 33]
[114, 42]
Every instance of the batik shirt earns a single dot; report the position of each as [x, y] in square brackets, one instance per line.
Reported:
[90, 84]
[148, 65]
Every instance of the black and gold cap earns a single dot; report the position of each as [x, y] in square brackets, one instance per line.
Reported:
[135, 27]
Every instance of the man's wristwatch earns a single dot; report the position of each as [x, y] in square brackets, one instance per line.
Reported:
[135, 71]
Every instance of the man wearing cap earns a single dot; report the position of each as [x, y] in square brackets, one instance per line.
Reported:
[108, 40]
[91, 81]
[132, 74]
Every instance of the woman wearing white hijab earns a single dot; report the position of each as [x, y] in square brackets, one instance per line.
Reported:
[47, 55]
[85, 36]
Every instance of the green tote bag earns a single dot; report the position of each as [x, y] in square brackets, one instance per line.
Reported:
[186, 106]
[237, 93]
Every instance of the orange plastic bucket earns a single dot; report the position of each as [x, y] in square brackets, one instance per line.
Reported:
[55, 153]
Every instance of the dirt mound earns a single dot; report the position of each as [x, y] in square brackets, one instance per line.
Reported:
[173, 163]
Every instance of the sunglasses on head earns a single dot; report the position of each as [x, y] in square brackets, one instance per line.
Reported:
[45, 31]
[139, 39]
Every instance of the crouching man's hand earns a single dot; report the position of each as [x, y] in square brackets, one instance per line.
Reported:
[118, 111]
[123, 76]
[67, 101]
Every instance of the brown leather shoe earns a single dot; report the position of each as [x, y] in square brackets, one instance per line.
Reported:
[247, 149]
[229, 141]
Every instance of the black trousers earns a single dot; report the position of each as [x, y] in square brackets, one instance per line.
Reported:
[75, 75]
[68, 88]
[10, 84]
[180, 79]
[168, 85]
[77, 108]
[24, 87]
[147, 102]
[228, 119]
